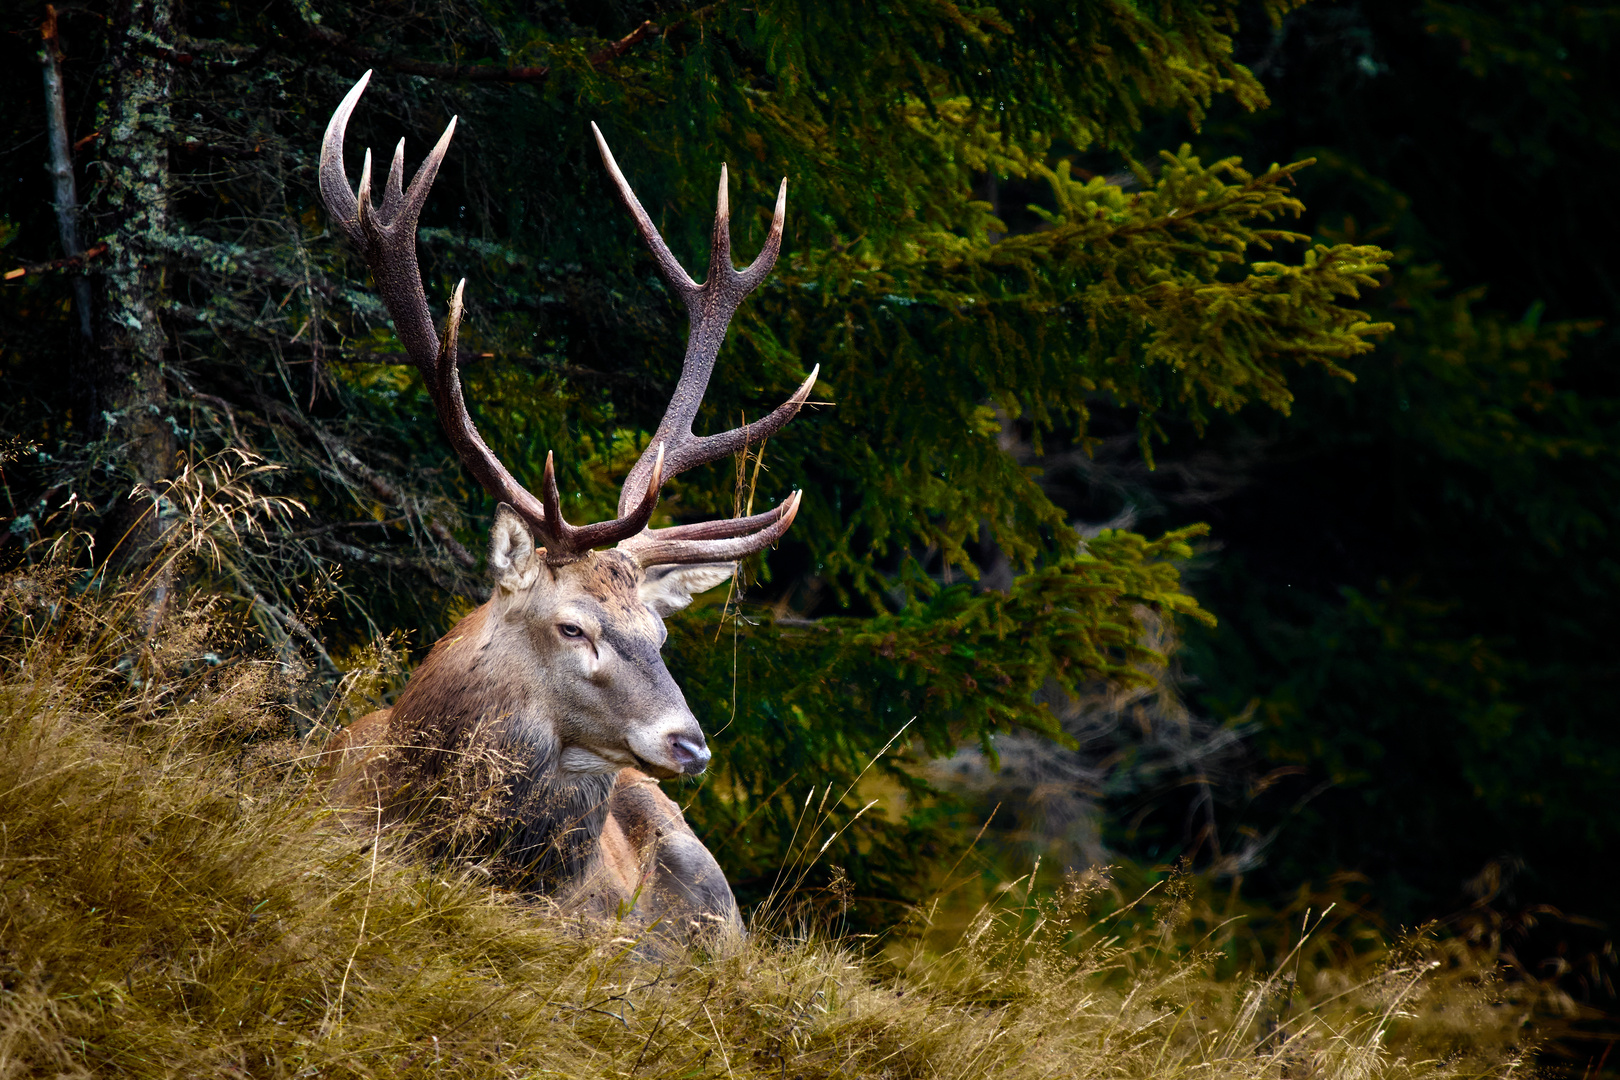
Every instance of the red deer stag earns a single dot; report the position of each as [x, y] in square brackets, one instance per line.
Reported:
[535, 731]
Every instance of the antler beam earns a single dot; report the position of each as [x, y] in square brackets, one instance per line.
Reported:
[386, 237]
[709, 308]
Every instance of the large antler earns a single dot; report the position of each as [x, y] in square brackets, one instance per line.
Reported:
[709, 308]
[386, 237]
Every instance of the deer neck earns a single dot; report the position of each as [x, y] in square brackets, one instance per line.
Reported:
[480, 737]
[463, 695]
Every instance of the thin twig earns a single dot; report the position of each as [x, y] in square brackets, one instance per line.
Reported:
[72, 262]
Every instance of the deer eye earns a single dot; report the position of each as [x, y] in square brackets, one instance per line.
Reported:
[568, 629]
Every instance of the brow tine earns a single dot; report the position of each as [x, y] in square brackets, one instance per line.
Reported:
[724, 529]
[653, 551]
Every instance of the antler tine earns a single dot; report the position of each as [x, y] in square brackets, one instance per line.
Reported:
[693, 450]
[652, 549]
[706, 448]
[393, 193]
[724, 529]
[334, 178]
[416, 195]
[668, 266]
[611, 532]
[444, 386]
[720, 268]
[387, 240]
[565, 543]
[362, 194]
[765, 261]
[446, 360]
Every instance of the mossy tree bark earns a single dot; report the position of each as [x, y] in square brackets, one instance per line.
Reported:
[128, 389]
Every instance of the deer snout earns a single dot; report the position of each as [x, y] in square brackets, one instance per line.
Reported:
[691, 752]
[675, 747]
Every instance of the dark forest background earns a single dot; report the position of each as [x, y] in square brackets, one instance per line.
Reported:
[1256, 519]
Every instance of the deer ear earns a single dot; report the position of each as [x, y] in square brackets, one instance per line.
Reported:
[512, 560]
[667, 589]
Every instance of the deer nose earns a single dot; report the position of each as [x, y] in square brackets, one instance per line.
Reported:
[690, 752]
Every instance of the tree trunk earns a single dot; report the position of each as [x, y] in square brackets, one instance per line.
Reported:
[128, 388]
[62, 180]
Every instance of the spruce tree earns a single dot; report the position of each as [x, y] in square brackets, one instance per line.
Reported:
[1416, 590]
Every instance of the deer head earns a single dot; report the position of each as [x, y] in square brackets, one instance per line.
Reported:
[564, 658]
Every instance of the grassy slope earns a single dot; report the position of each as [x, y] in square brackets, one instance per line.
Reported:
[172, 903]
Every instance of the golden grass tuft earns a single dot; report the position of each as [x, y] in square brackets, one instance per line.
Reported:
[175, 900]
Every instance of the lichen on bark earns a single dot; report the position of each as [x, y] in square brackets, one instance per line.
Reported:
[128, 392]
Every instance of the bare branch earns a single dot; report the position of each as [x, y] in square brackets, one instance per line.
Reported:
[72, 262]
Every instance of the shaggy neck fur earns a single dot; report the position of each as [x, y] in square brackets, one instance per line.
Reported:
[477, 760]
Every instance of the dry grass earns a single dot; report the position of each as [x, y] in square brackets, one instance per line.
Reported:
[175, 900]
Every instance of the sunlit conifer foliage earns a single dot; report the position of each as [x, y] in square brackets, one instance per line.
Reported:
[1417, 586]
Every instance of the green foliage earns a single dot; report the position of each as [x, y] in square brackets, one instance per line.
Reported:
[1121, 297]
[1420, 682]
[1550, 62]
[1416, 585]
[824, 700]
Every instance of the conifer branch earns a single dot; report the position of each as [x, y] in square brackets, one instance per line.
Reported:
[475, 72]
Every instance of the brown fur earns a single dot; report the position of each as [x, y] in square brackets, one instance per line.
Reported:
[519, 745]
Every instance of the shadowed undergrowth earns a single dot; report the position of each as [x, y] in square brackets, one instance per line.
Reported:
[174, 900]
